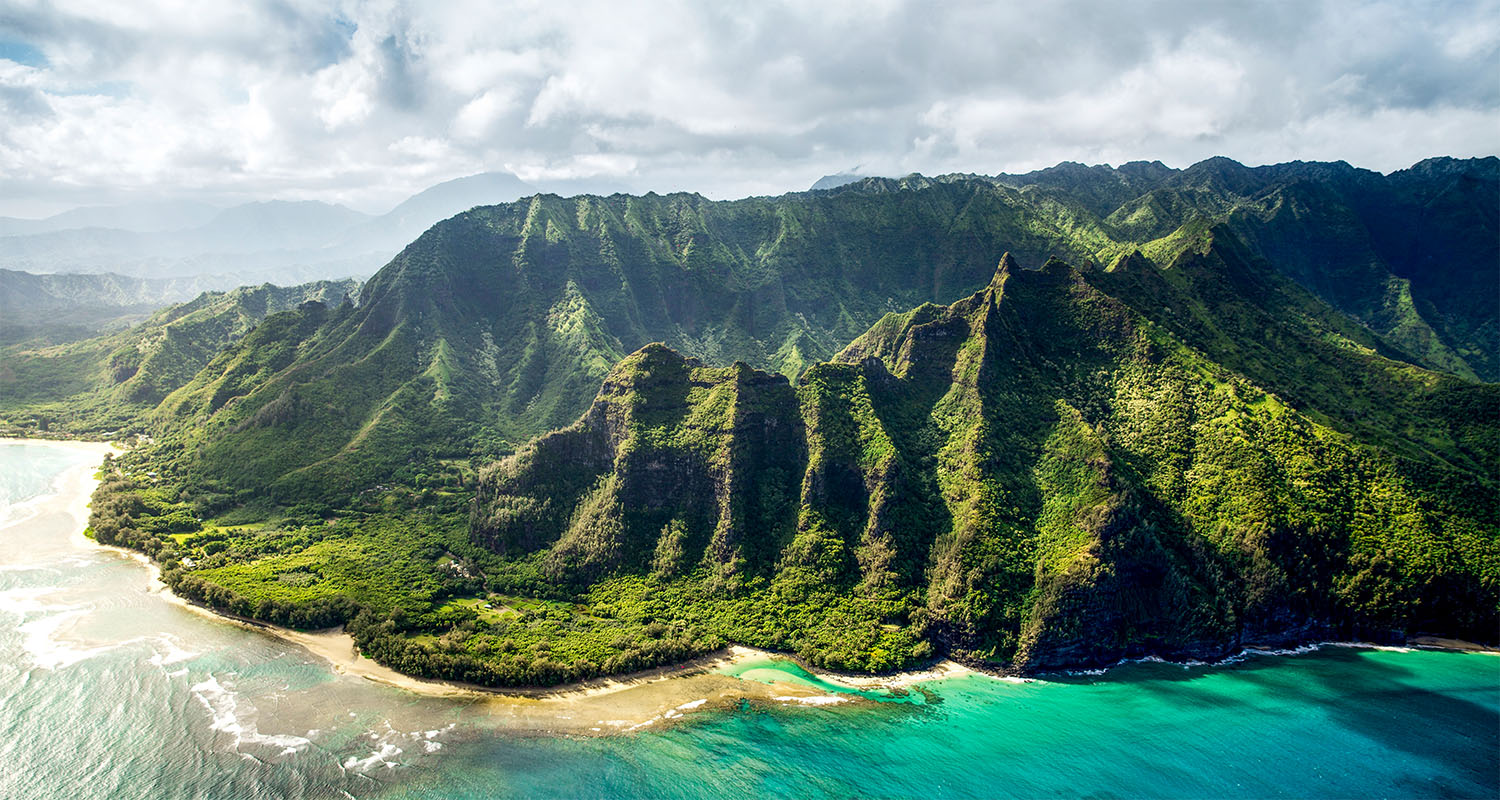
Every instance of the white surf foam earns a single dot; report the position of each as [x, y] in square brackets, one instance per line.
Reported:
[382, 756]
[691, 705]
[41, 624]
[819, 700]
[168, 650]
[231, 718]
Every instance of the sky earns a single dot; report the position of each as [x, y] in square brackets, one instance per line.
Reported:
[364, 103]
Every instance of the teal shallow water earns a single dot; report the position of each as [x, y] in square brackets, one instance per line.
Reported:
[1339, 722]
[109, 691]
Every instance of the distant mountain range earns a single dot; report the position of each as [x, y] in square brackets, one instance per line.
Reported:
[285, 242]
[145, 217]
[65, 307]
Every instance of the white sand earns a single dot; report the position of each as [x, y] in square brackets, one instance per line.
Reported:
[601, 706]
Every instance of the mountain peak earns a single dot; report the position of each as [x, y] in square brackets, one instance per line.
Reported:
[1003, 271]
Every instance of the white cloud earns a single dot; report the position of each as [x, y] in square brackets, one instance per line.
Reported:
[366, 102]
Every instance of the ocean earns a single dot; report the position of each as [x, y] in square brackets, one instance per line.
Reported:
[108, 690]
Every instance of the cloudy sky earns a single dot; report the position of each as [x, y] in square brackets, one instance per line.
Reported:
[364, 103]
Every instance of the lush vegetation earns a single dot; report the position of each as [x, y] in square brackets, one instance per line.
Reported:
[498, 325]
[1038, 475]
[109, 384]
[1248, 412]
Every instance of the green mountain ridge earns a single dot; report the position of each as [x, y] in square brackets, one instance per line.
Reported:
[109, 383]
[1221, 424]
[1412, 254]
[1038, 474]
[497, 325]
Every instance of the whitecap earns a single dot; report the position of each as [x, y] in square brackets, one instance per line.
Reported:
[168, 650]
[820, 700]
[1385, 648]
[382, 755]
[223, 706]
[677, 712]
[39, 635]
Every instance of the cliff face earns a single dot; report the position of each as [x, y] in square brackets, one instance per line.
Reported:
[1039, 474]
[497, 325]
[675, 465]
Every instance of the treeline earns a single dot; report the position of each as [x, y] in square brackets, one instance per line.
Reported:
[385, 641]
[122, 515]
[126, 514]
[322, 612]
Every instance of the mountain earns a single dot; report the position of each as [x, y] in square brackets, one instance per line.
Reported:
[1038, 476]
[147, 217]
[1412, 255]
[271, 225]
[244, 244]
[275, 241]
[319, 469]
[106, 383]
[496, 325]
[1067, 467]
[22, 291]
[407, 221]
[59, 308]
[835, 181]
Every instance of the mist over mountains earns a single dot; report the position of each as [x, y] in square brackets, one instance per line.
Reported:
[209, 248]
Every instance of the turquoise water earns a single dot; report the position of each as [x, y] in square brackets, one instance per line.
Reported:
[111, 691]
[1336, 723]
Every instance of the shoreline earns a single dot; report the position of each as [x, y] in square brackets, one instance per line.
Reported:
[74, 444]
[623, 702]
[337, 648]
[70, 492]
[599, 706]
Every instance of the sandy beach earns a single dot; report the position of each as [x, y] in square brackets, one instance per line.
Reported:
[601, 706]
[1443, 643]
[71, 490]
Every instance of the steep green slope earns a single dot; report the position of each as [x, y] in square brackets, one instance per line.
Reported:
[498, 324]
[1065, 468]
[1414, 255]
[111, 382]
[1178, 446]
[1037, 475]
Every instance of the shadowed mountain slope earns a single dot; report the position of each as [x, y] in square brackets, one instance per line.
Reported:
[498, 324]
[1174, 445]
[1038, 475]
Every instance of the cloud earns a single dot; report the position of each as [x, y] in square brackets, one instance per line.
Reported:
[364, 102]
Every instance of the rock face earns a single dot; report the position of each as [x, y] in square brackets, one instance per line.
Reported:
[1048, 475]
[497, 325]
[675, 464]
